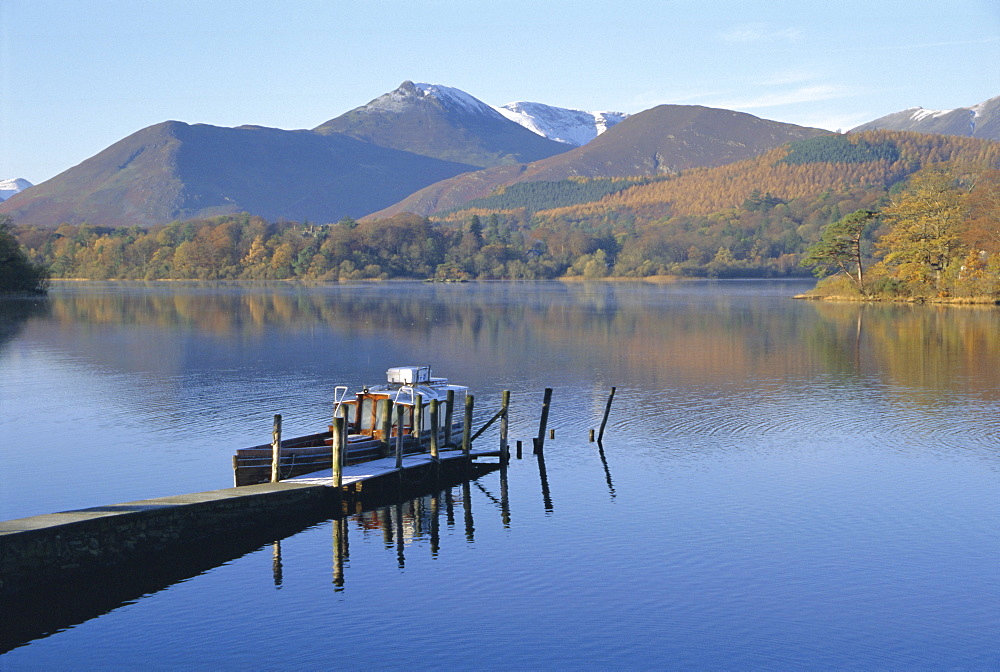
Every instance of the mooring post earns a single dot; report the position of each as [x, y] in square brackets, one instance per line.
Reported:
[338, 439]
[418, 419]
[539, 443]
[434, 429]
[504, 424]
[591, 435]
[387, 426]
[470, 401]
[276, 450]
[399, 436]
[449, 417]
[607, 410]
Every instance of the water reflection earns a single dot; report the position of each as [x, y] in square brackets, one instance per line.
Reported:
[829, 471]
[607, 470]
[61, 605]
[665, 336]
[546, 494]
[45, 611]
[15, 313]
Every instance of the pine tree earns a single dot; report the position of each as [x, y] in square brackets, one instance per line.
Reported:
[839, 247]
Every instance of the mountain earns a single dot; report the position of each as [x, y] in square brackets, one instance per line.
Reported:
[573, 127]
[444, 123]
[11, 186]
[174, 170]
[978, 121]
[663, 140]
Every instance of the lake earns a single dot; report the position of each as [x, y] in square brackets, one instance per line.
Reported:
[782, 484]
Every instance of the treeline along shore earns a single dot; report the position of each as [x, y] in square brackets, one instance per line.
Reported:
[896, 223]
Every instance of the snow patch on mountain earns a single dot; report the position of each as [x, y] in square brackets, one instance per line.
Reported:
[11, 186]
[920, 113]
[573, 127]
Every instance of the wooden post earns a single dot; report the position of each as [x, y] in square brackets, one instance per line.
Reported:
[467, 424]
[276, 450]
[504, 423]
[387, 426]
[519, 449]
[591, 435]
[434, 429]
[540, 440]
[400, 409]
[418, 419]
[449, 417]
[607, 410]
[338, 439]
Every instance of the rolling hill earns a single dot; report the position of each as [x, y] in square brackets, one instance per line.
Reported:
[663, 140]
[176, 171]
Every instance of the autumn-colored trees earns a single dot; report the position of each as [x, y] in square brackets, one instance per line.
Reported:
[939, 236]
[924, 223]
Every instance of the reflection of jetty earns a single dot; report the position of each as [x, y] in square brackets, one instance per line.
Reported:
[35, 551]
[60, 569]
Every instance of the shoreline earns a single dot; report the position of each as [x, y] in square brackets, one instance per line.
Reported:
[945, 301]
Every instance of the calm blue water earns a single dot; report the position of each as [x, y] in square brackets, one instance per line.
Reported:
[783, 484]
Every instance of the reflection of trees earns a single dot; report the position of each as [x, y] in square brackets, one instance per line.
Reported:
[653, 338]
[921, 346]
[15, 313]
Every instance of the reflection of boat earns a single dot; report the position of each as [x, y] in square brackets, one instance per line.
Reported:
[370, 433]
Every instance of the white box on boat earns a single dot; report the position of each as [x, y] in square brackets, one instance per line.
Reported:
[409, 375]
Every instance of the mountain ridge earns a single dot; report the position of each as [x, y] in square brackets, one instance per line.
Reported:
[175, 170]
[981, 120]
[422, 148]
[663, 140]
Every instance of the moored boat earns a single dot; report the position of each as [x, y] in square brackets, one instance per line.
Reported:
[372, 433]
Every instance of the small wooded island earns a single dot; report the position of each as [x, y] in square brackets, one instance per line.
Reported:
[935, 240]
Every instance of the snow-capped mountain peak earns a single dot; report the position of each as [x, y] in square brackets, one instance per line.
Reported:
[573, 127]
[453, 97]
[11, 186]
[449, 97]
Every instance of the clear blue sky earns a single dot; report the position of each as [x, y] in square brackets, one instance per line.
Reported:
[76, 75]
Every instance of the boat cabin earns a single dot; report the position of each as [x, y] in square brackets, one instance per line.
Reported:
[410, 388]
